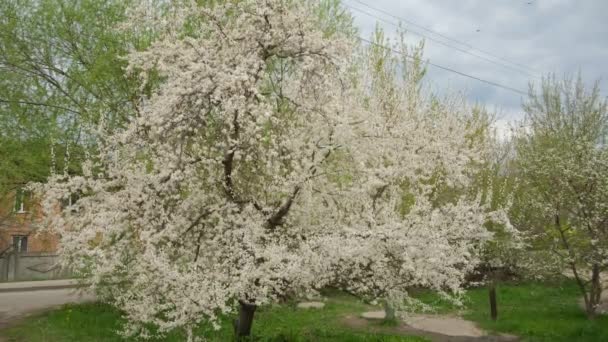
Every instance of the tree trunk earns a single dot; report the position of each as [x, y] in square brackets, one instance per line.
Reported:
[242, 326]
[590, 296]
[389, 312]
[595, 292]
[493, 303]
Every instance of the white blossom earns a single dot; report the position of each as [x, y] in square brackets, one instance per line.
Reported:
[259, 170]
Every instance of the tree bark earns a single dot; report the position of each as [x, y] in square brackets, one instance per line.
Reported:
[389, 312]
[590, 296]
[595, 292]
[493, 303]
[242, 326]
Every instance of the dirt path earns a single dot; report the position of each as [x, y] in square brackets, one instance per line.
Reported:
[434, 327]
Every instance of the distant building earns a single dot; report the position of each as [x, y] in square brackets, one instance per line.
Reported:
[19, 216]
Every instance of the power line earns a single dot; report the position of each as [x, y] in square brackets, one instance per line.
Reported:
[447, 45]
[444, 36]
[467, 45]
[492, 83]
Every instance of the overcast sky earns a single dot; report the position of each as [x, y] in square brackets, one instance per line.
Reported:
[558, 36]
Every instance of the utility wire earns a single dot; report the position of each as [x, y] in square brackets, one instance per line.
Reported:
[446, 44]
[469, 46]
[492, 83]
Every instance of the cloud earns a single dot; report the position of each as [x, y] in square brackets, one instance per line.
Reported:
[557, 36]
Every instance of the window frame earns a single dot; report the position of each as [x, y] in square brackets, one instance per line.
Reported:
[20, 242]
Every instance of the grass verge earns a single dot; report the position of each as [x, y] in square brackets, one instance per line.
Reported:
[535, 311]
[98, 322]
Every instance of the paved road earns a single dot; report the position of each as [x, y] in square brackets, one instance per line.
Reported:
[16, 304]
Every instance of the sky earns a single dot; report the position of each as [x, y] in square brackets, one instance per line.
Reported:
[525, 39]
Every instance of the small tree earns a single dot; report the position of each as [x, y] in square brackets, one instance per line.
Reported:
[563, 168]
[494, 179]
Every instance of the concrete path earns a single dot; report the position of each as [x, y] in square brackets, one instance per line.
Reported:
[18, 300]
[311, 305]
[446, 325]
[440, 324]
[438, 328]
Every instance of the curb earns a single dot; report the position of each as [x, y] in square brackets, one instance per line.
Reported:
[39, 286]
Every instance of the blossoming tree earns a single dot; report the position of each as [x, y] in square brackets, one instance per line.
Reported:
[266, 165]
[562, 160]
[408, 220]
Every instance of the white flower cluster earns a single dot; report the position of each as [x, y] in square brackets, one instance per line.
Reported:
[259, 170]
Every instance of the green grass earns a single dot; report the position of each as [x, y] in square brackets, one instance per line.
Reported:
[99, 322]
[534, 311]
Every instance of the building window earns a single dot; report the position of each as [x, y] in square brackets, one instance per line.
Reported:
[20, 243]
[21, 199]
[70, 202]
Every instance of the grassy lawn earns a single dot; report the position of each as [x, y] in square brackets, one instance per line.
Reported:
[534, 311]
[98, 322]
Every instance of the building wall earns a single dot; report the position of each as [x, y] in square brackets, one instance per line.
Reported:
[31, 266]
[40, 260]
[27, 223]
[36, 241]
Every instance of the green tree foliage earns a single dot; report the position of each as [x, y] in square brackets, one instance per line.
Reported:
[60, 70]
[563, 171]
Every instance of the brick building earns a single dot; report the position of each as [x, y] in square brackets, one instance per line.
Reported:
[19, 215]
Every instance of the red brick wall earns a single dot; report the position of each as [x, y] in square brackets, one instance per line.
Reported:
[13, 223]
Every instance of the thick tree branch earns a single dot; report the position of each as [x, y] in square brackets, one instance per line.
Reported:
[277, 218]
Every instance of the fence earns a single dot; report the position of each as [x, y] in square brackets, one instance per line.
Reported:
[16, 266]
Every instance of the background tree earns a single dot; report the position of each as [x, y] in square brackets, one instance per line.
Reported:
[494, 179]
[562, 168]
[408, 220]
[60, 71]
